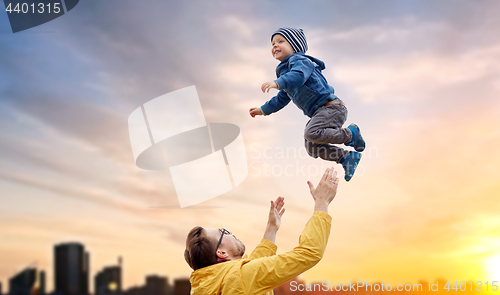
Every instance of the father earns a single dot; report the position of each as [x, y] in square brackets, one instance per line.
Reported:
[216, 255]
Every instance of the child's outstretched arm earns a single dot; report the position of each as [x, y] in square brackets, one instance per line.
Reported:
[275, 104]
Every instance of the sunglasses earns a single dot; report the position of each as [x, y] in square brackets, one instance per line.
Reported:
[223, 232]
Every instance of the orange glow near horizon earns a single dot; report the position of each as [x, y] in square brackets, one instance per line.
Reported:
[492, 266]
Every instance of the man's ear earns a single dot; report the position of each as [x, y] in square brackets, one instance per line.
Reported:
[221, 254]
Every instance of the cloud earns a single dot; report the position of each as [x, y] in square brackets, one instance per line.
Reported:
[397, 79]
[408, 59]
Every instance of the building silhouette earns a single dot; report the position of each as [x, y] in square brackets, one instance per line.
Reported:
[40, 287]
[156, 285]
[71, 277]
[135, 290]
[27, 282]
[109, 280]
[23, 282]
[182, 287]
[71, 269]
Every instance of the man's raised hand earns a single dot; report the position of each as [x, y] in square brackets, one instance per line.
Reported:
[326, 190]
[275, 212]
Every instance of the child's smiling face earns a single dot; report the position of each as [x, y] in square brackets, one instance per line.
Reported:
[281, 49]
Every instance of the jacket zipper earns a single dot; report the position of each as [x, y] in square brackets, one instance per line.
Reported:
[296, 102]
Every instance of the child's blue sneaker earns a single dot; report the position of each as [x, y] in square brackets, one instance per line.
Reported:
[357, 141]
[350, 163]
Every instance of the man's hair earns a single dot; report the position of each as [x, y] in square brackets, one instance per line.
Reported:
[200, 251]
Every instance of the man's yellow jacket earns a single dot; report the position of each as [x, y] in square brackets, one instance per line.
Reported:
[264, 270]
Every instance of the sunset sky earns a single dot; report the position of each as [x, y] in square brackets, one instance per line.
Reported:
[420, 78]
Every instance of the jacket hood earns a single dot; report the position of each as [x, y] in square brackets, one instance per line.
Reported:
[284, 63]
[208, 280]
[320, 63]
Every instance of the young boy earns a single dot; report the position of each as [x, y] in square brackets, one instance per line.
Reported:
[300, 80]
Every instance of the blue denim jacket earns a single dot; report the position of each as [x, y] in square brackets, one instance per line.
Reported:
[300, 80]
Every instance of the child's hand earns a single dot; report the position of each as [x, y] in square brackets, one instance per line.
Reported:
[255, 112]
[268, 85]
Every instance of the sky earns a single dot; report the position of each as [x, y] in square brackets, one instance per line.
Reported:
[420, 78]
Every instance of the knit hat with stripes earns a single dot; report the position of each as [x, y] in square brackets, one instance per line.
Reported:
[295, 37]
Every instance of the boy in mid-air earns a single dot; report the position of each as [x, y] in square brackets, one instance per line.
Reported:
[300, 80]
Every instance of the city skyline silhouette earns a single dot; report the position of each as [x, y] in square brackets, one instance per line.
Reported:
[72, 277]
